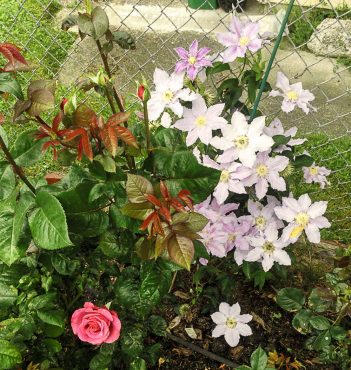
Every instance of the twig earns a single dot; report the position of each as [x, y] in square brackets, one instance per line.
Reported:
[204, 352]
[147, 127]
[173, 281]
[17, 169]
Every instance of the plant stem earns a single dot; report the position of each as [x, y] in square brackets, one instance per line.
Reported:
[147, 127]
[18, 170]
[204, 352]
[108, 71]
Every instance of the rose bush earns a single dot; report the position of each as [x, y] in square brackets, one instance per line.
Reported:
[192, 176]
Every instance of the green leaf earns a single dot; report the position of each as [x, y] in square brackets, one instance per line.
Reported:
[124, 39]
[301, 321]
[7, 180]
[3, 134]
[132, 341]
[181, 250]
[323, 340]
[119, 220]
[89, 224]
[320, 322]
[9, 355]
[138, 364]
[8, 296]
[258, 359]
[10, 85]
[291, 299]
[217, 68]
[157, 325]
[52, 345]
[280, 140]
[182, 171]
[42, 100]
[10, 327]
[111, 247]
[137, 186]
[100, 361]
[44, 301]
[94, 25]
[192, 220]
[52, 317]
[137, 210]
[321, 299]
[338, 332]
[14, 239]
[48, 223]
[26, 150]
[200, 250]
[303, 160]
[63, 264]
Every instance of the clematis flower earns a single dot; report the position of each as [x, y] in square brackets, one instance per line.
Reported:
[316, 174]
[231, 177]
[268, 249]
[293, 95]
[242, 140]
[168, 91]
[200, 121]
[230, 323]
[214, 239]
[192, 61]
[264, 216]
[276, 128]
[243, 36]
[302, 215]
[266, 172]
[214, 211]
[236, 230]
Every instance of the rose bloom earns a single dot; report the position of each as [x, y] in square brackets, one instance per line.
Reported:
[95, 325]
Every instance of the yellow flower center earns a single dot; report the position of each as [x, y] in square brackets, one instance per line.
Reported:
[231, 323]
[201, 121]
[262, 170]
[302, 219]
[244, 41]
[225, 175]
[268, 247]
[241, 142]
[168, 96]
[260, 222]
[313, 171]
[192, 60]
[232, 237]
[292, 95]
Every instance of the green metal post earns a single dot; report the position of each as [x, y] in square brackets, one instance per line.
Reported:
[270, 63]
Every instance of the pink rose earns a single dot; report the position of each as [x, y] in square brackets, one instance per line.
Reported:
[95, 325]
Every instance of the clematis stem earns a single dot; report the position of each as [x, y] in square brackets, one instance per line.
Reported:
[147, 127]
[17, 169]
[130, 159]
[271, 59]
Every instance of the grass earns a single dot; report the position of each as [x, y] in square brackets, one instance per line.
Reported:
[303, 22]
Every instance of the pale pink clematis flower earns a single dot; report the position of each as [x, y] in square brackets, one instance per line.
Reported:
[231, 177]
[236, 230]
[168, 93]
[214, 211]
[192, 61]
[276, 128]
[316, 174]
[294, 95]
[302, 215]
[199, 121]
[214, 239]
[242, 140]
[264, 216]
[268, 249]
[266, 172]
[243, 36]
[230, 323]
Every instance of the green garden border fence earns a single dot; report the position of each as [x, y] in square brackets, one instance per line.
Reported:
[203, 4]
[271, 59]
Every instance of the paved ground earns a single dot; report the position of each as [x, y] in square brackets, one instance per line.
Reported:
[330, 85]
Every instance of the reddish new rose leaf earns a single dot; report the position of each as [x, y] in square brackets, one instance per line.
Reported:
[118, 118]
[184, 195]
[124, 134]
[84, 145]
[164, 190]
[53, 177]
[2, 119]
[109, 137]
[11, 52]
[152, 199]
[17, 66]
[148, 220]
[83, 116]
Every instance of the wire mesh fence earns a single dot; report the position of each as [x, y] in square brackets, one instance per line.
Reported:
[160, 25]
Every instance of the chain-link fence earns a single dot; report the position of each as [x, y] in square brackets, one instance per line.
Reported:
[315, 50]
